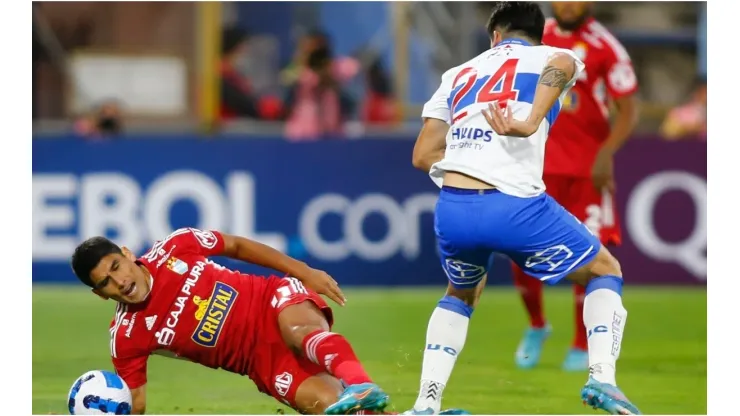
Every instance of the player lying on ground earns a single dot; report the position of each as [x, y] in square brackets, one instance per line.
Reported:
[175, 302]
[489, 166]
[579, 158]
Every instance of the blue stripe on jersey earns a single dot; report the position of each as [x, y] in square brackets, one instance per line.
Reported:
[525, 83]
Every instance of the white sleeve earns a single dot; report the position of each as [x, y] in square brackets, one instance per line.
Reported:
[580, 67]
[437, 106]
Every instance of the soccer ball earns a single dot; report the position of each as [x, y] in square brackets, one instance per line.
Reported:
[99, 392]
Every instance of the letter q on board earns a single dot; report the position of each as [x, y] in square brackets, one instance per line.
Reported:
[689, 253]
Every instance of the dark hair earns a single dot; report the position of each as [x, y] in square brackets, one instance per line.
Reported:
[319, 58]
[88, 254]
[522, 17]
[231, 38]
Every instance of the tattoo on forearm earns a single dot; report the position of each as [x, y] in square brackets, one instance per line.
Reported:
[554, 77]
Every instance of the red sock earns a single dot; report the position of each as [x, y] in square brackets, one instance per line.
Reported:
[531, 291]
[580, 340]
[334, 352]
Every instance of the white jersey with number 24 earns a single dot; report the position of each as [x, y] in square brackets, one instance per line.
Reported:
[508, 74]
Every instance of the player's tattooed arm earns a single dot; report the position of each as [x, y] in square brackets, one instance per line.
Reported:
[558, 72]
[554, 77]
[253, 252]
[430, 145]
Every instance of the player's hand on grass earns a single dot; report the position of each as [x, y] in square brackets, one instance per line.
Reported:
[503, 123]
[602, 172]
[320, 282]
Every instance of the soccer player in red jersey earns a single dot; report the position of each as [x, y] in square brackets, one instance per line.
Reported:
[175, 302]
[579, 157]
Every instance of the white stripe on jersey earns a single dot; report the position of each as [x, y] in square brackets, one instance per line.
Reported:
[614, 44]
[151, 255]
[297, 285]
[120, 314]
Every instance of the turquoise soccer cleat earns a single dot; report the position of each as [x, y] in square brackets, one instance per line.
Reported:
[430, 411]
[530, 348]
[454, 412]
[608, 398]
[576, 360]
[365, 396]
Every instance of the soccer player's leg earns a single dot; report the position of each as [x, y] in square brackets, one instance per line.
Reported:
[596, 210]
[465, 265]
[566, 247]
[529, 351]
[305, 321]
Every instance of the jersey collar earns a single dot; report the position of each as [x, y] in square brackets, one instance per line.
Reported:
[514, 41]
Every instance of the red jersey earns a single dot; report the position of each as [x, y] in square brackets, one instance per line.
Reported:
[583, 123]
[196, 310]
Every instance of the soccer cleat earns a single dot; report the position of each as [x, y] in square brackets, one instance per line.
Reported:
[576, 360]
[530, 348]
[608, 398]
[365, 396]
[430, 411]
[454, 412]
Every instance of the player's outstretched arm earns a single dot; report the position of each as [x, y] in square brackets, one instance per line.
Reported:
[138, 402]
[430, 145]
[250, 251]
[555, 77]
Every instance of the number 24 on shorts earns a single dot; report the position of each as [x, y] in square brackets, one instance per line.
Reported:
[497, 87]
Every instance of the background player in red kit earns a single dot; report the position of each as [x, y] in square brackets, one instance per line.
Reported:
[175, 302]
[579, 156]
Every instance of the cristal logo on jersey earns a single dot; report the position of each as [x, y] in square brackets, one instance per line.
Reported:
[176, 265]
[212, 314]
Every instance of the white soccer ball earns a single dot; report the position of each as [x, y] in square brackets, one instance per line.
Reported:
[99, 392]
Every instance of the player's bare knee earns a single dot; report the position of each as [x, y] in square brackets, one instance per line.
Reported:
[468, 295]
[296, 322]
[606, 264]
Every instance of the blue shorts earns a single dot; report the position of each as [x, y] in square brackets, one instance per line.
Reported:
[538, 234]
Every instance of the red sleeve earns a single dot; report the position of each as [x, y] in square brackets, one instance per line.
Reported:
[619, 74]
[186, 240]
[203, 242]
[128, 360]
[132, 370]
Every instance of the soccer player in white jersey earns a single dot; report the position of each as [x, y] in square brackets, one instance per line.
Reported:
[483, 142]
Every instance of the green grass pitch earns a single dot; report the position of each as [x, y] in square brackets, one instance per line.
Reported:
[663, 366]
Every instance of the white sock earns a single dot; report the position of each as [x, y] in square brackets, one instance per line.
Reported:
[604, 317]
[446, 333]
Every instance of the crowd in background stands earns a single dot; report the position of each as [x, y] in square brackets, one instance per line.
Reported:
[315, 101]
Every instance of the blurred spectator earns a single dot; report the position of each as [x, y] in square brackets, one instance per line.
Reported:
[380, 105]
[105, 122]
[688, 121]
[315, 103]
[238, 100]
[308, 43]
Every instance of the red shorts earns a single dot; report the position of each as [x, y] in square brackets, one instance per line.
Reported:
[276, 369]
[596, 209]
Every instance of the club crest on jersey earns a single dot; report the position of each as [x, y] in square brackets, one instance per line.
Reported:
[176, 265]
[580, 50]
[212, 313]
